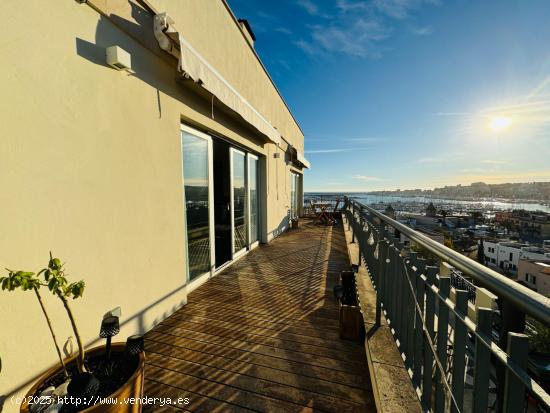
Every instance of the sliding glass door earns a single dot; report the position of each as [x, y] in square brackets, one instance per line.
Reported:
[238, 201]
[222, 195]
[253, 199]
[197, 181]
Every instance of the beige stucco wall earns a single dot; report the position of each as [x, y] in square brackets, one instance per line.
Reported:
[538, 270]
[91, 169]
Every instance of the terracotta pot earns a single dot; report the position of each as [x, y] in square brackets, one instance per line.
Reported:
[133, 388]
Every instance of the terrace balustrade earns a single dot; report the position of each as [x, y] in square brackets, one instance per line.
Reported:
[457, 352]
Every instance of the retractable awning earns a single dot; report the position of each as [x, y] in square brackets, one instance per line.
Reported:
[192, 65]
[302, 159]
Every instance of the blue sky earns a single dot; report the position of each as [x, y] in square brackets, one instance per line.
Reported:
[412, 93]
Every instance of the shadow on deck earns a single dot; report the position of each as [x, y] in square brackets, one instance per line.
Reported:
[263, 335]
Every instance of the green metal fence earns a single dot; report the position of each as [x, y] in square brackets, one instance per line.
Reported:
[442, 340]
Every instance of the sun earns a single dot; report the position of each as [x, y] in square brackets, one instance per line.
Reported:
[500, 123]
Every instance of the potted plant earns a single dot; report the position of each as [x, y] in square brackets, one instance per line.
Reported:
[294, 223]
[81, 382]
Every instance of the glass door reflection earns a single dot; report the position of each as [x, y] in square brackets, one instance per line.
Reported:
[238, 201]
[197, 175]
[294, 195]
[253, 198]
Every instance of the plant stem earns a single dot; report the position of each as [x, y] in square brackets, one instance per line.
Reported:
[81, 354]
[51, 332]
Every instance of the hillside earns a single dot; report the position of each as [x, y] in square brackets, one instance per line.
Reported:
[527, 190]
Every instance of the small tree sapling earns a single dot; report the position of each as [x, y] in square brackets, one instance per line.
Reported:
[26, 281]
[57, 283]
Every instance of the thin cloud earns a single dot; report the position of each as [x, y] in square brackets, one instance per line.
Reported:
[359, 39]
[309, 6]
[283, 30]
[431, 160]
[306, 47]
[367, 139]
[366, 178]
[422, 31]
[400, 9]
[347, 6]
[494, 162]
[355, 28]
[335, 150]
[452, 114]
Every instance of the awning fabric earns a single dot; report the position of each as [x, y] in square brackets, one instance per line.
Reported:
[194, 66]
[302, 159]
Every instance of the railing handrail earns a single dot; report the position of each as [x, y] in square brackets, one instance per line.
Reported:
[532, 303]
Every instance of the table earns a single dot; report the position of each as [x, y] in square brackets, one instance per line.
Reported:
[322, 215]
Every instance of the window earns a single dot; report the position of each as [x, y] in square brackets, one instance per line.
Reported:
[511, 256]
[531, 278]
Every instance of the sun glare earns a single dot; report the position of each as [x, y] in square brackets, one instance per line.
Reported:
[500, 123]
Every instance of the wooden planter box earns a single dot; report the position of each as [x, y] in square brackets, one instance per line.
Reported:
[350, 317]
[351, 322]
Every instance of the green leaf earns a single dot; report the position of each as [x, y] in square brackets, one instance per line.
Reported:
[77, 289]
[52, 284]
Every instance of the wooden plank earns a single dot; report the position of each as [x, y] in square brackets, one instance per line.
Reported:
[239, 320]
[353, 401]
[263, 335]
[349, 378]
[304, 321]
[197, 402]
[283, 334]
[222, 392]
[315, 360]
[254, 339]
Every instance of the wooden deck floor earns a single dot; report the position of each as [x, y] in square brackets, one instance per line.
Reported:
[263, 335]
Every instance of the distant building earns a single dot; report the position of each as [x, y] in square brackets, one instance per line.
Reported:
[501, 217]
[536, 275]
[436, 236]
[531, 226]
[506, 255]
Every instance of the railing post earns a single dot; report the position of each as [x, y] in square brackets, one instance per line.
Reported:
[405, 293]
[482, 361]
[398, 291]
[514, 390]
[459, 349]
[411, 297]
[381, 277]
[442, 334]
[512, 321]
[428, 352]
[418, 324]
[360, 235]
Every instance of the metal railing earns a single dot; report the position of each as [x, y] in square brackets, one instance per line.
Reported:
[445, 346]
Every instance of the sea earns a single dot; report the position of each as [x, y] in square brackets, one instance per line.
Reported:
[410, 201]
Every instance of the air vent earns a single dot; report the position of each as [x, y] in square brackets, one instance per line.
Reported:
[118, 58]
